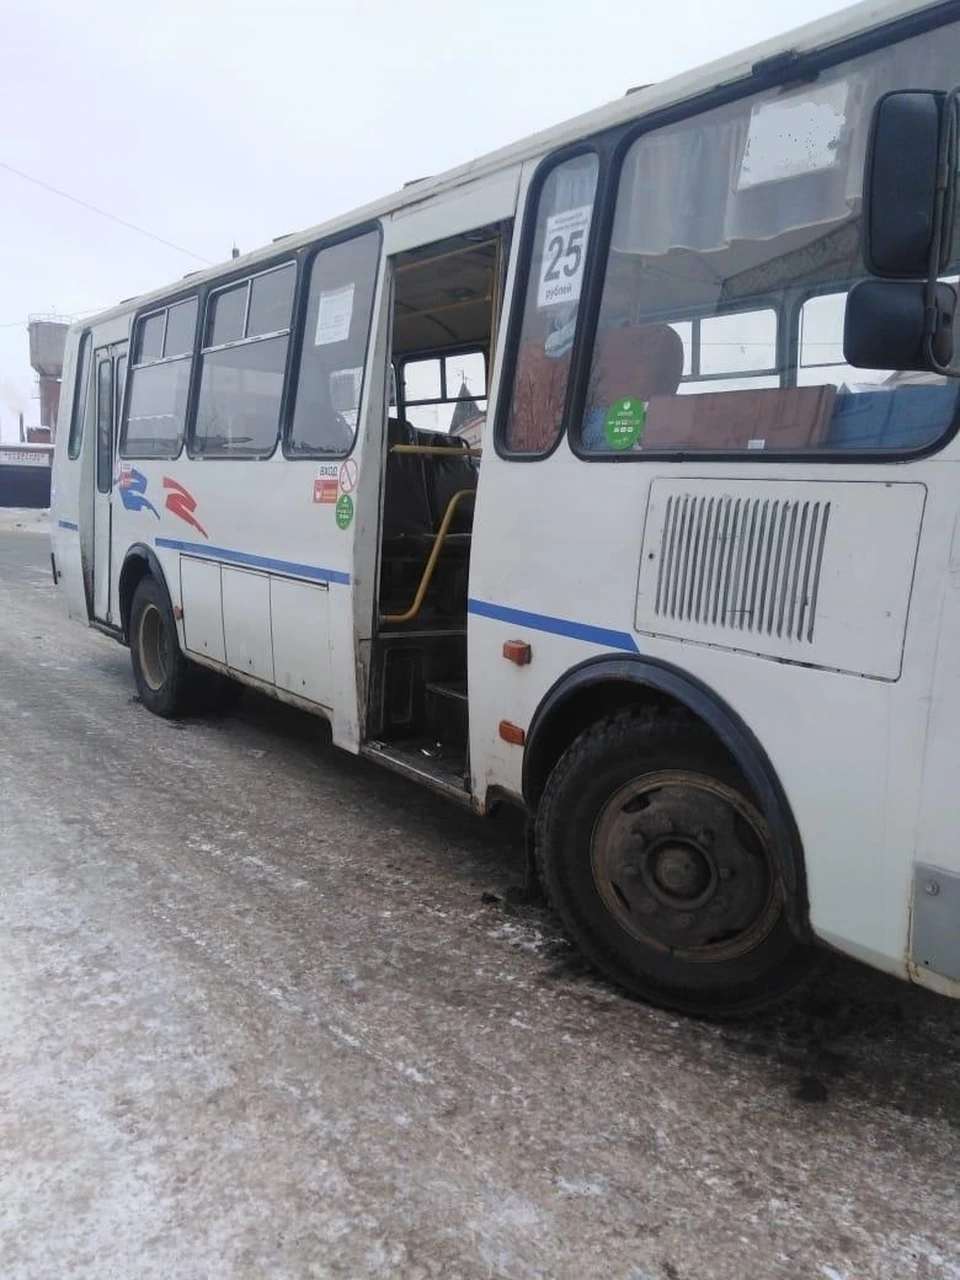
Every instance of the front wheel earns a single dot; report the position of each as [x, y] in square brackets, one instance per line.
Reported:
[662, 869]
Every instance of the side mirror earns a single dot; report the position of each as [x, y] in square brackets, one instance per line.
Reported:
[904, 318]
[908, 185]
[887, 326]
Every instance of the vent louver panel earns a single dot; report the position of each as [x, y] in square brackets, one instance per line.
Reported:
[743, 564]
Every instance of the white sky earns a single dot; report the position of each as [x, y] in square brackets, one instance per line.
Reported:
[210, 122]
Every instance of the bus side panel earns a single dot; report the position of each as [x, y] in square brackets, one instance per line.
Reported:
[556, 557]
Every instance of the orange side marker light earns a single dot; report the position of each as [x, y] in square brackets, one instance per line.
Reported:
[512, 733]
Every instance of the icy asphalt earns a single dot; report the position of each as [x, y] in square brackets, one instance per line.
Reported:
[268, 1012]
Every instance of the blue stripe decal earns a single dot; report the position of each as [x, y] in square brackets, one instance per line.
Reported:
[309, 571]
[555, 626]
[68, 524]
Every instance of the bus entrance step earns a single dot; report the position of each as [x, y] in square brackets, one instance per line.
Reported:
[425, 762]
[457, 691]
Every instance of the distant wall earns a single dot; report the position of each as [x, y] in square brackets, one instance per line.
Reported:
[25, 486]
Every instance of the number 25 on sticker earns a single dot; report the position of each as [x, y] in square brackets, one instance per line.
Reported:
[561, 263]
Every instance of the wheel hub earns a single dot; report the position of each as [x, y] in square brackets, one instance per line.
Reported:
[679, 872]
[683, 862]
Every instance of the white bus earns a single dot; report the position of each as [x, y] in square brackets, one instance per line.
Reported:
[694, 602]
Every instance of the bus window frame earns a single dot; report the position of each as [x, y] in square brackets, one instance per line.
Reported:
[597, 145]
[208, 296]
[155, 307]
[441, 354]
[306, 258]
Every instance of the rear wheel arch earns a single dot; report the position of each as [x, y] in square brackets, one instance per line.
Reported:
[140, 562]
[601, 687]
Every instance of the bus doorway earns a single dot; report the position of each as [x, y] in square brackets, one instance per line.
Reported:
[446, 302]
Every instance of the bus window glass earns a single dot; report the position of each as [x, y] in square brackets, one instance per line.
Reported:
[551, 306]
[447, 395]
[723, 222]
[156, 410]
[181, 327]
[150, 337]
[156, 407]
[241, 384]
[121, 382]
[105, 399]
[240, 391]
[334, 346]
[271, 301]
[738, 343]
[227, 315]
[80, 398]
[421, 381]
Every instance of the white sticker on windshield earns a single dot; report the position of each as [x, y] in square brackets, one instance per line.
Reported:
[561, 264]
[333, 316]
[794, 136]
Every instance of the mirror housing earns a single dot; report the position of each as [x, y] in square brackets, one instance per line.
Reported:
[908, 185]
[887, 327]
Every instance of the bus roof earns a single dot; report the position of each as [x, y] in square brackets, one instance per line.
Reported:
[833, 29]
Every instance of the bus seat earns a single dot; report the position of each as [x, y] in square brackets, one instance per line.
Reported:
[418, 487]
[634, 363]
[446, 474]
[406, 505]
[895, 418]
[762, 418]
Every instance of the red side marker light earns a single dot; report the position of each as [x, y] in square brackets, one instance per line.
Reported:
[512, 733]
[517, 651]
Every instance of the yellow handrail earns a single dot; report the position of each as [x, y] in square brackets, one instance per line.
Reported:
[437, 450]
[427, 575]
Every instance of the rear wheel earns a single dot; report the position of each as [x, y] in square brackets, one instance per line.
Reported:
[662, 869]
[166, 681]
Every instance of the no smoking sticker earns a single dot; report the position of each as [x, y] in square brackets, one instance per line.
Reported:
[348, 475]
[623, 425]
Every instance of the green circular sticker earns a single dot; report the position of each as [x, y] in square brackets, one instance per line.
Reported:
[344, 510]
[623, 425]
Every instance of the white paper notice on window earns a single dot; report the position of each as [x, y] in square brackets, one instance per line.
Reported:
[793, 136]
[564, 251]
[333, 316]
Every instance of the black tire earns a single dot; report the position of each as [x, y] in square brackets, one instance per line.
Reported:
[166, 680]
[216, 693]
[660, 867]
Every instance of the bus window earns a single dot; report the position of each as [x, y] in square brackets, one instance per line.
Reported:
[243, 363]
[159, 382]
[447, 395]
[559, 246]
[80, 398]
[105, 405]
[720, 222]
[333, 347]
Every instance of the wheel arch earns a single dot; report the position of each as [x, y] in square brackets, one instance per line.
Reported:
[601, 686]
[139, 562]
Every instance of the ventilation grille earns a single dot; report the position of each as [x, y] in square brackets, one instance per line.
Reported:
[743, 564]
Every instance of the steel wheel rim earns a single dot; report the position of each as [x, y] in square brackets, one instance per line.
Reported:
[684, 864]
[152, 644]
